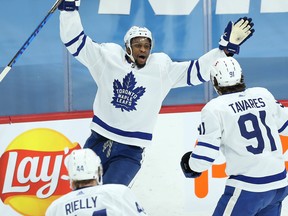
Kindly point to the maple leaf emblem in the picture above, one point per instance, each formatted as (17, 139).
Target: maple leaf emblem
(126, 94)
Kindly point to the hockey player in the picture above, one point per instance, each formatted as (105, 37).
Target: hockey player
(132, 85)
(245, 125)
(89, 197)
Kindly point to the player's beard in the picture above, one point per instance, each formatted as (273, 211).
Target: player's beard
(143, 61)
(140, 65)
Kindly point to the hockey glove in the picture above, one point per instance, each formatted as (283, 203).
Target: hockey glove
(236, 34)
(69, 5)
(186, 168)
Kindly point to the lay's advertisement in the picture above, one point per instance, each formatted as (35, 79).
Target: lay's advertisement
(32, 167)
(33, 174)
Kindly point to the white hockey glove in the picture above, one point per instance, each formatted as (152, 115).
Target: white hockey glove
(186, 168)
(69, 5)
(236, 34)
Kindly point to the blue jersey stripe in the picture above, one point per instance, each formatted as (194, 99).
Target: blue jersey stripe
(74, 40)
(101, 212)
(198, 72)
(202, 158)
(208, 145)
(81, 46)
(261, 180)
(283, 127)
(134, 134)
(189, 73)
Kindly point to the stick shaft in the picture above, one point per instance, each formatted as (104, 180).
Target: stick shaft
(4, 72)
(29, 40)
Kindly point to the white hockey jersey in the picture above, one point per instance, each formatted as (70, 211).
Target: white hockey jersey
(245, 127)
(104, 200)
(129, 99)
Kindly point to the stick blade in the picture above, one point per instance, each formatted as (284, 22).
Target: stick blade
(4, 72)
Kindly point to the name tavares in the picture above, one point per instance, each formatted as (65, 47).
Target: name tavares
(243, 105)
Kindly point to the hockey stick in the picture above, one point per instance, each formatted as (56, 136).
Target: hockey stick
(29, 40)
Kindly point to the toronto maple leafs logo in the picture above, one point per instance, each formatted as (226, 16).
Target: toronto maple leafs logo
(126, 94)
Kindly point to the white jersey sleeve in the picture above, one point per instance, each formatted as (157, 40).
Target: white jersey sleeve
(83, 48)
(245, 127)
(104, 200)
(127, 203)
(193, 72)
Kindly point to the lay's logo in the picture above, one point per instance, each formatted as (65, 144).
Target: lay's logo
(32, 170)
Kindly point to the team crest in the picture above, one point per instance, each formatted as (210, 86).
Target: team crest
(127, 94)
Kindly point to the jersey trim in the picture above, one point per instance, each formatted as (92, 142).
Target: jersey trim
(202, 158)
(189, 73)
(260, 180)
(101, 212)
(208, 145)
(80, 47)
(74, 39)
(198, 72)
(283, 127)
(134, 134)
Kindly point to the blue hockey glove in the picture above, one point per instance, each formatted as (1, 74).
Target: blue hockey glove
(69, 5)
(186, 168)
(236, 34)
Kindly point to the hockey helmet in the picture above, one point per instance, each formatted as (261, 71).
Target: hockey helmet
(226, 72)
(84, 164)
(136, 31)
(133, 32)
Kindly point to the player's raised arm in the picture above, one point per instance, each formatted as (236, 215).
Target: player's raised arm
(235, 34)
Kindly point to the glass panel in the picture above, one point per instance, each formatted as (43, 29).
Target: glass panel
(47, 79)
